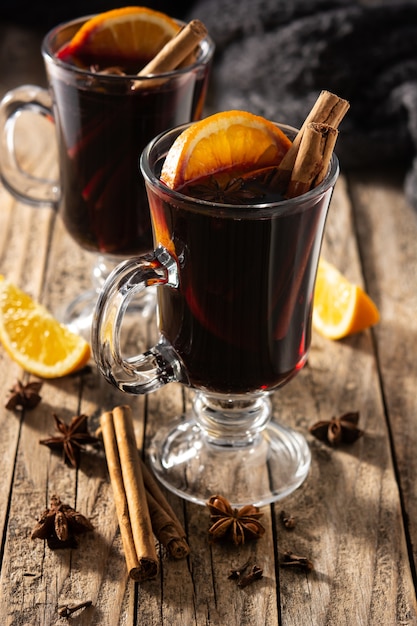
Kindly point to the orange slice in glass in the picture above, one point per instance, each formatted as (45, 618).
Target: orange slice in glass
(231, 140)
(120, 36)
(35, 339)
(340, 307)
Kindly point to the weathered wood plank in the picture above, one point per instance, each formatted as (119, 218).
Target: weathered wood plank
(349, 511)
(387, 232)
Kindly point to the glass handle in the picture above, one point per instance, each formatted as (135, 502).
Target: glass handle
(24, 186)
(160, 364)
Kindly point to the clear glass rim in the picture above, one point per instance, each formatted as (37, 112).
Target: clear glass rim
(206, 46)
(232, 210)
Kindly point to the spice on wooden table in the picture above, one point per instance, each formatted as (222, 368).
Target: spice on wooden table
(60, 524)
(24, 396)
(243, 580)
(165, 524)
(72, 438)
(141, 508)
(256, 573)
(129, 494)
(297, 562)
(287, 520)
(239, 525)
(67, 610)
(338, 430)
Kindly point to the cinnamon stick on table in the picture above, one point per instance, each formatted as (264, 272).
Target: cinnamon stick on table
(166, 526)
(129, 496)
(142, 509)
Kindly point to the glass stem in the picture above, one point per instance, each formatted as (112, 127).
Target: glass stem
(232, 421)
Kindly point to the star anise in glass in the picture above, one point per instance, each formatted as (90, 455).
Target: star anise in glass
(59, 524)
(229, 191)
(239, 525)
(343, 429)
(72, 438)
(24, 396)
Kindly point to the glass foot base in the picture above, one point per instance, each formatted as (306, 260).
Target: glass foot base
(263, 471)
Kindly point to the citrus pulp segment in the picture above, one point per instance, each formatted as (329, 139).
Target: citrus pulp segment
(229, 140)
(340, 307)
(123, 34)
(35, 339)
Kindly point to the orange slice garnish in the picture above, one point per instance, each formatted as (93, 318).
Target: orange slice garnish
(120, 36)
(340, 307)
(230, 140)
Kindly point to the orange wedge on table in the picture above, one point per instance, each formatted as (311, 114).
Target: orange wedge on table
(235, 140)
(121, 35)
(35, 339)
(340, 307)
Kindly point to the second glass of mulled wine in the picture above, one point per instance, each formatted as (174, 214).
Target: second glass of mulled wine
(235, 293)
(104, 117)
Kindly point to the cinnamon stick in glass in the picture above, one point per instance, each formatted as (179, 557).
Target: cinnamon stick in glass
(312, 159)
(328, 109)
(310, 168)
(176, 51)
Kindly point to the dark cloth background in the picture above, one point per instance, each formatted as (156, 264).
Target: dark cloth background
(273, 57)
(46, 14)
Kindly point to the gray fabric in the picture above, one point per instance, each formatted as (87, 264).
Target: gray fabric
(274, 57)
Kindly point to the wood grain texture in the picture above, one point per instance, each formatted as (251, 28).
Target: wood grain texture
(355, 514)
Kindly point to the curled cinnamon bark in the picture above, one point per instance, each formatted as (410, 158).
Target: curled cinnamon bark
(329, 109)
(177, 51)
(142, 509)
(313, 158)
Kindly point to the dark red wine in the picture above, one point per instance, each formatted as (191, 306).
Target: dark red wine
(102, 129)
(241, 317)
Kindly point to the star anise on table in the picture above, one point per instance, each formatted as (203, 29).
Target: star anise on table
(343, 429)
(239, 525)
(71, 438)
(60, 524)
(24, 396)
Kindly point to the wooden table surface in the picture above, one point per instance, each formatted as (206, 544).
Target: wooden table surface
(357, 511)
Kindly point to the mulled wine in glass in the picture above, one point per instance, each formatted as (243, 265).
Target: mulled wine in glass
(103, 120)
(235, 293)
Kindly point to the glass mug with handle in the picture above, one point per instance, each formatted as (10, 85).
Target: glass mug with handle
(103, 120)
(235, 294)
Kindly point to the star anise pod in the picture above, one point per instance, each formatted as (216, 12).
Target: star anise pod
(343, 429)
(59, 524)
(239, 525)
(24, 396)
(72, 438)
(232, 191)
